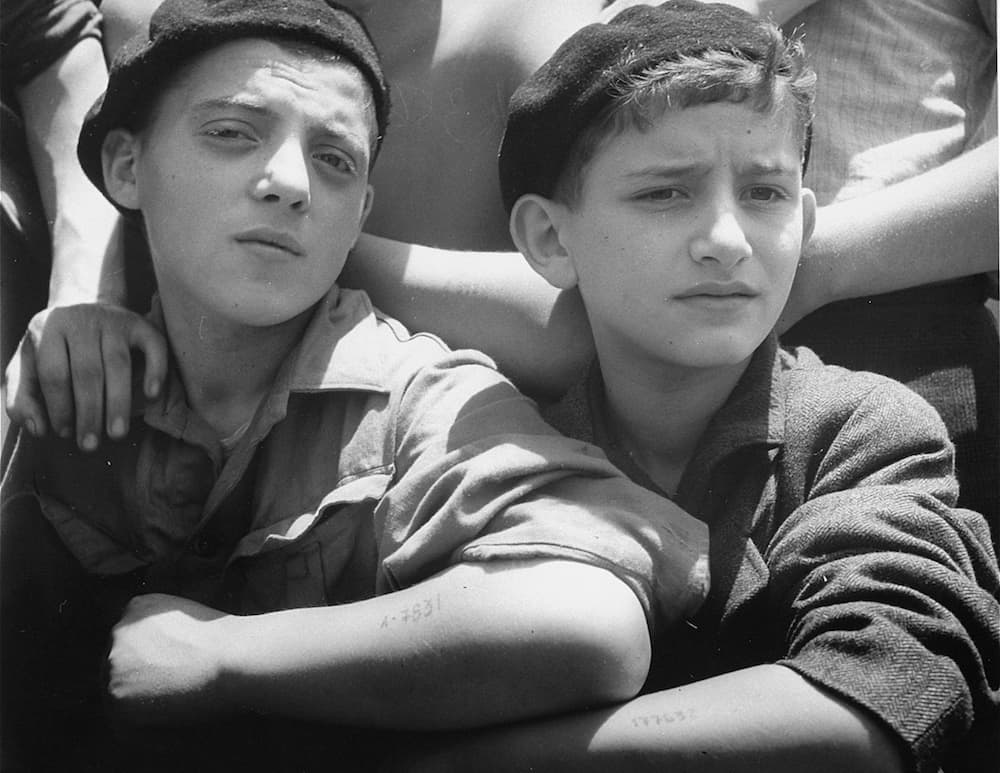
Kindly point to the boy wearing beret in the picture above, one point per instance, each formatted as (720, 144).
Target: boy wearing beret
(655, 163)
(322, 518)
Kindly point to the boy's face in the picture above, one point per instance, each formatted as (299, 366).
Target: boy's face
(685, 239)
(252, 178)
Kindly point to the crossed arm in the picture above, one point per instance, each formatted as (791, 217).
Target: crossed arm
(475, 644)
(725, 724)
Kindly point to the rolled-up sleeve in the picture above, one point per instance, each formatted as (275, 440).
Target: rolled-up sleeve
(481, 477)
(890, 595)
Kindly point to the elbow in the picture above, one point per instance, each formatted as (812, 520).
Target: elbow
(619, 660)
(606, 649)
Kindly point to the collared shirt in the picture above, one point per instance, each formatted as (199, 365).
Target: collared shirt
(377, 459)
(834, 547)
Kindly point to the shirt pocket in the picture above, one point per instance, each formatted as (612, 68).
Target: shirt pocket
(324, 556)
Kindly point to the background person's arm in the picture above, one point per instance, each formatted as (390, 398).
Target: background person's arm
(86, 259)
(491, 301)
(475, 644)
(72, 369)
(937, 226)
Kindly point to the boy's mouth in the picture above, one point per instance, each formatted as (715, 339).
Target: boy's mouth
(270, 237)
(718, 290)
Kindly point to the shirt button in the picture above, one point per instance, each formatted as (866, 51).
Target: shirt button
(205, 546)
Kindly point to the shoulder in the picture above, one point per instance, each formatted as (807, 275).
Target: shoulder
(845, 429)
(820, 395)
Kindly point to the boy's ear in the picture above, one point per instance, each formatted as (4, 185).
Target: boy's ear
(118, 158)
(808, 215)
(535, 223)
(369, 200)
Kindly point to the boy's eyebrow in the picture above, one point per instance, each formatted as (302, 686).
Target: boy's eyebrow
(261, 109)
(767, 168)
(217, 103)
(698, 169)
(668, 169)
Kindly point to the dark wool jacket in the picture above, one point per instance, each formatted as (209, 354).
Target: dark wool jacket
(836, 550)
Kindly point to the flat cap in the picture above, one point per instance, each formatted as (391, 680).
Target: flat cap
(550, 110)
(179, 30)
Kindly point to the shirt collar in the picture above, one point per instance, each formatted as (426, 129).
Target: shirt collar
(752, 416)
(338, 351)
(755, 410)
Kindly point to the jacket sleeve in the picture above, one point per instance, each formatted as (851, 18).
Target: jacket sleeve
(479, 476)
(890, 594)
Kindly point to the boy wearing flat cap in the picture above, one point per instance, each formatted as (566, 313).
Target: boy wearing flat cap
(852, 624)
(323, 518)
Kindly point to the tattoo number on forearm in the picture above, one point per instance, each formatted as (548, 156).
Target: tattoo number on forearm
(414, 613)
(653, 720)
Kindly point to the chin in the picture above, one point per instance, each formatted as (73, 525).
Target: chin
(717, 352)
(275, 306)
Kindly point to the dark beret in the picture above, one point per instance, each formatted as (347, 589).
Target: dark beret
(179, 30)
(564, 96)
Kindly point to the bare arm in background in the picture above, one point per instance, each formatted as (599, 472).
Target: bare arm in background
(937, 226)
(75, 354)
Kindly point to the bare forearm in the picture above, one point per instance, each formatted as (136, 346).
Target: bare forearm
(489, 301)
(83, 223)
(937, 226)
(472, 646)
(762, 718)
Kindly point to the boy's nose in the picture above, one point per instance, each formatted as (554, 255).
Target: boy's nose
(285, 178)
(721, 239)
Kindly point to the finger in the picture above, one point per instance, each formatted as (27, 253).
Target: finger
(23, 392)
(87, 369)
(117, 383)
(152, 344)
(56, 382)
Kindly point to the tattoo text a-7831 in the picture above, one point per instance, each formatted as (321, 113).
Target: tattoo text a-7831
(414, 613)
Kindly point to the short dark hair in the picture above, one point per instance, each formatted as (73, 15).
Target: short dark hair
(779, 80)
(575, 86)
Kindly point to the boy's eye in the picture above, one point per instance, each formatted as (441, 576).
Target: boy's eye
(229, 132)
(660, 195)
(335, 160)
(765, 193)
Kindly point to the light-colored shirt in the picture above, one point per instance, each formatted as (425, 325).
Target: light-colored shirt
(378, 459)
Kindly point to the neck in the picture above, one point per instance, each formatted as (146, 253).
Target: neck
(227, 368)
(659, 413)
